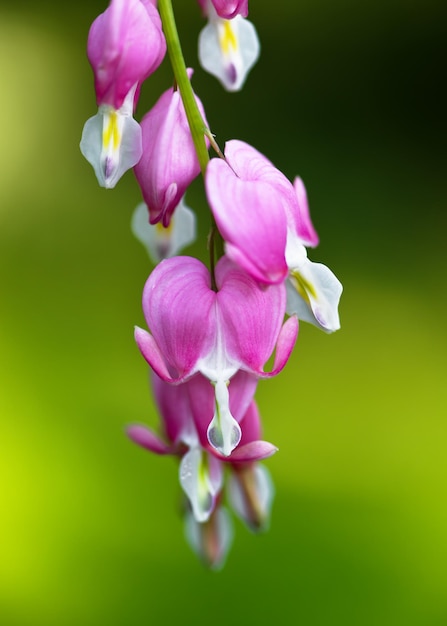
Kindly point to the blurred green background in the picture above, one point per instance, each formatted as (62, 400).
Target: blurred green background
(348, 96)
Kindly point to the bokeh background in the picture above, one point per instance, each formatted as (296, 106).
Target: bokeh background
(350, 97)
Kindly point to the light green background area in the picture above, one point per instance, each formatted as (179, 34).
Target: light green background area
(349, 97)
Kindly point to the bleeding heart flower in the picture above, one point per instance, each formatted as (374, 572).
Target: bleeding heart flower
(217, 333)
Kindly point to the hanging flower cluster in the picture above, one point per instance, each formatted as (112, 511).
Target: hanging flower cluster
(211, 330)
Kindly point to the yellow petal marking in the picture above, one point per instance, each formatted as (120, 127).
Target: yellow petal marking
(111, 132)
(228, 37)
(303, 286)
(164, 230)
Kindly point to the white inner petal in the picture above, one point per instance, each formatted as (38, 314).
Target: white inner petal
(196, 483)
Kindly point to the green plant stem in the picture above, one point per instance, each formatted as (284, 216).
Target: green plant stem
(195, 119)
(197, 125)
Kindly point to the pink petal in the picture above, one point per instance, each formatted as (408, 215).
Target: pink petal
(251, 219)
(253, 451)
(125, 44)
(251, 316)
(251, 425)
(284, 346)
(178, 304)
(169, 163)
(145, 438)
(201, 393)
(230, 8)
(174, 408)
(250, 164)
(303, 223)
(151, 352)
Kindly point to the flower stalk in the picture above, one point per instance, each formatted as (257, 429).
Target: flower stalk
(211, 329)
(196, 123)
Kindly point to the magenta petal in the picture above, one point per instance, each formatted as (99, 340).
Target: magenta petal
(251, 425)
(125, 44)
(151, 352)
(253, 451)
(242, 389)
(251, 219)
(303, 223)
(145, 438)
(178, 304)
(230, 8)
(174, 408)
(284, 346)
(202, 402)
(251, 165)
(202, 398)
(226, 9)
(169, 162)
(251, 316)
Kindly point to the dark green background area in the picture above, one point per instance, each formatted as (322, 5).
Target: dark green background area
(350, 97)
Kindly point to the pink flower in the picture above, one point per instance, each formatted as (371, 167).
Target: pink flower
(250, 492)
(228, 48)
(217, 333)
(183, 409)
(266, 225)
(169, 162)
(200, 473)
(125, 45)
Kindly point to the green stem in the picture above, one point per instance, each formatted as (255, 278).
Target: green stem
(197, 125)
(195, 119)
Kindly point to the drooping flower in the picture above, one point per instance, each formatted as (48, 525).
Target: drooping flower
(250, 488)
(184, 412)
(210, 540)
(163, 242)
(265, 222)
(125, 45)
(169, 163)
(250, 492)
(228, 48)
(313, 291)
(217, 333)
(200, 472)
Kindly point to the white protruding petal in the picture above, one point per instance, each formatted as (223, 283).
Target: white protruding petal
(295, 252)
(313, 294)
(264, 493)
(228, 49)
(224, 433)
(112, 142)
(223, 533)
(160, 242)
(198, 483)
